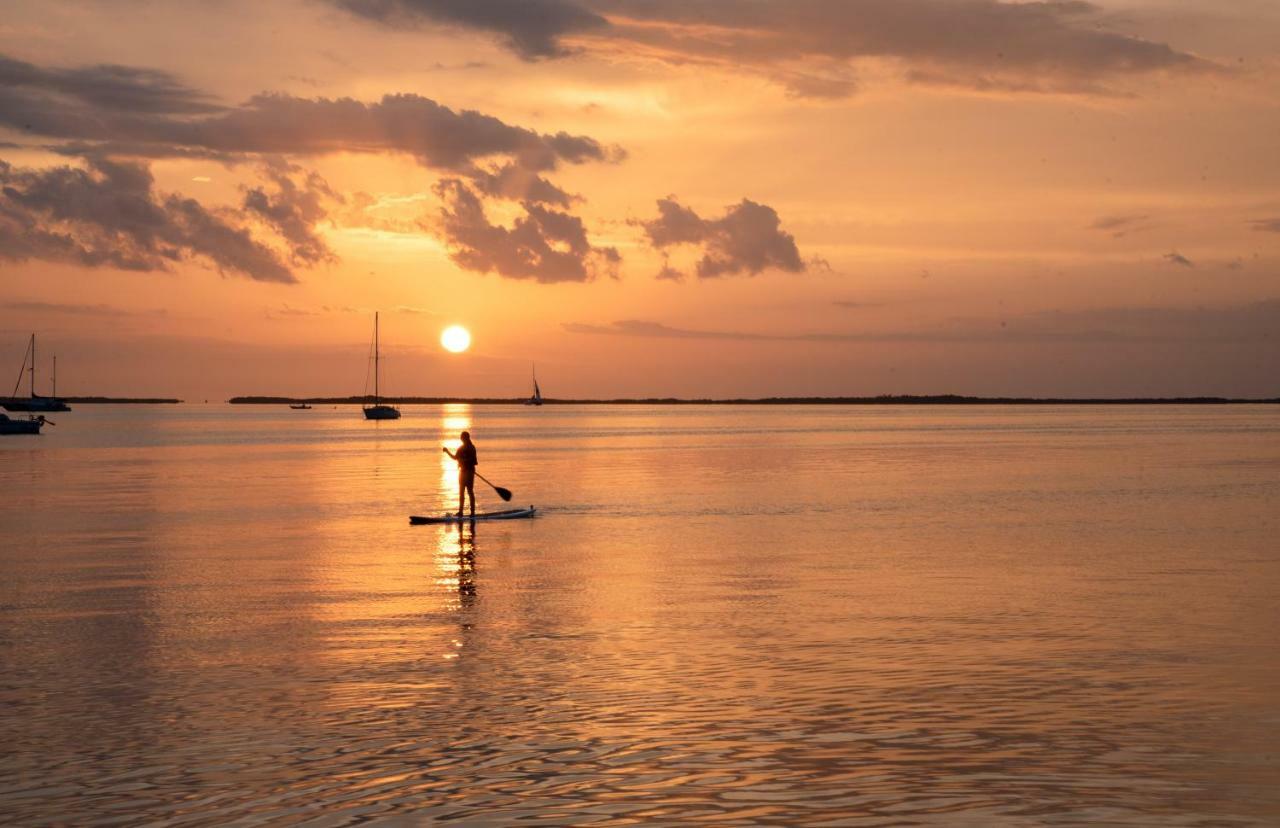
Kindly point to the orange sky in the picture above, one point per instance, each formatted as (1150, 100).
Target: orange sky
(862, 197)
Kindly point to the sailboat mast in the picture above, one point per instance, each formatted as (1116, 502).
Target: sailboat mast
(375, 357)
(55, 375)
(33, 366)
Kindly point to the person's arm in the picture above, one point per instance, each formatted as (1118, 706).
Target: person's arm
(452, 456)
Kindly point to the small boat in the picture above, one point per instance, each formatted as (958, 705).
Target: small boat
(508, 514)
(35, 402)
(300, 406)
(536, 399)
(30, 425)
(378, 411)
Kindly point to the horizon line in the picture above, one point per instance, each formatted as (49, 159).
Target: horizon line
(879, 399)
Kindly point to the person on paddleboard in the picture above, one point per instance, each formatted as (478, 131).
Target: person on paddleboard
(466, 459)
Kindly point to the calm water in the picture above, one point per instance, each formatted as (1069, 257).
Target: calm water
(811, 615)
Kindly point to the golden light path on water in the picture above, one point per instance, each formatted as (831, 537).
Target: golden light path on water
(938, 616)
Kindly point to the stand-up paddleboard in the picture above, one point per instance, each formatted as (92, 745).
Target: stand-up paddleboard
(508, 514)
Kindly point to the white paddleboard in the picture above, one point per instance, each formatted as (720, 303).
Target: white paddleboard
(508, 514)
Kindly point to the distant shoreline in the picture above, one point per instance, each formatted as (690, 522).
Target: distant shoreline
(107, 400)
(945, 399)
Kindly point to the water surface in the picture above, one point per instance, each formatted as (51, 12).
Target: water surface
(778, 615)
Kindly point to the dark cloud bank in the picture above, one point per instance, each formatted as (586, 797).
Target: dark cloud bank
(812, 46)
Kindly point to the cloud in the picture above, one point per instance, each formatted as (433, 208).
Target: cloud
(530, 28)
(1121, 226)
(813, 47)
(103, 86)
(148, 114)
(1267, 225)
(112, 112)
(293, 209)
(543, 245)
(109, 215)
(1254, 322)
(1176, 258)
(285, 310)
(669, 273)
(513, 182)
(76, 309)
(748, 239)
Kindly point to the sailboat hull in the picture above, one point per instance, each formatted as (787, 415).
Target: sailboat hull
(381, 412)
(39, 404)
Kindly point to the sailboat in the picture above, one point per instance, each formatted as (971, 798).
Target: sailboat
(35, 402)
(378, 411)
(536, 399)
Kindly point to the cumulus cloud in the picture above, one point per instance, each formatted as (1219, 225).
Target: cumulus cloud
(812, 47)
(543, 245)
(100, 112)
(110, 215)
(297, 202)
(747, 239)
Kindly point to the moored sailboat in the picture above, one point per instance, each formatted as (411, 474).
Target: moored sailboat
(378, 411)
(35, 402)
(536, 399)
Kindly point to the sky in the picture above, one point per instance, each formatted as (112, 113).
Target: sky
(695, 198)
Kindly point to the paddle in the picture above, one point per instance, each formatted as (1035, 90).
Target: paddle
(505, 494)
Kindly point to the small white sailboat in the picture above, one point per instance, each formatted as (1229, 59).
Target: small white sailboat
(35, 402)
(378, 411)
(536, 399)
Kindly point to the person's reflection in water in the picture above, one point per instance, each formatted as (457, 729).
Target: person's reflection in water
(466, 566)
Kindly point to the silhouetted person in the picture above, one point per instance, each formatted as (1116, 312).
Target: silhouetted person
(466, 458)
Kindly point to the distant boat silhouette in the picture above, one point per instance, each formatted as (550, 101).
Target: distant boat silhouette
(30, 425)
(536, 399)
(300, 406)
(377, 411)
(35, 402)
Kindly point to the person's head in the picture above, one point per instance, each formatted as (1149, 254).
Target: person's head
(466, 438)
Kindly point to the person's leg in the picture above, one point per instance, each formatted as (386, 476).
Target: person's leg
(471, 490)
(462, 493)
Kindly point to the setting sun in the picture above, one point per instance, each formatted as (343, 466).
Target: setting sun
(455, 339)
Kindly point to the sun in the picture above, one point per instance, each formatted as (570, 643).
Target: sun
(455, 339)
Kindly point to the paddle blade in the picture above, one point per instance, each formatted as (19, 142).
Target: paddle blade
(505, 494)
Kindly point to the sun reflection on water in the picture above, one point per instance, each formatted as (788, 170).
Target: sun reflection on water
(455, 562)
